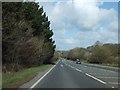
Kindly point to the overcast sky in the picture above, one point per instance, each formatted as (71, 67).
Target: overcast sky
(79, 23)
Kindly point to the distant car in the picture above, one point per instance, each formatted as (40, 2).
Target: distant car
(78, 61)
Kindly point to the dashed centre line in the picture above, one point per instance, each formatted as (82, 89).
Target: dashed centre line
(78, 70)
(86, 74)
(95, 78)
(61, 65)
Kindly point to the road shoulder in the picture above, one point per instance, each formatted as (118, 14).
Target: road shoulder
(31, 82)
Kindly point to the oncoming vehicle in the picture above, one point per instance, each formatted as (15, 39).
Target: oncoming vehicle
(78, 61)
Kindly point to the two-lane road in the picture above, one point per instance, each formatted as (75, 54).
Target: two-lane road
(67, 74)
(105, 75)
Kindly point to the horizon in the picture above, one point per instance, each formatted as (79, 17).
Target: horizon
(88, 46)
(97, 21)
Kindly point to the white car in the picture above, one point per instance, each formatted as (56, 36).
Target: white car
(78, 61)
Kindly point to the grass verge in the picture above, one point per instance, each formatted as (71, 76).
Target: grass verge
(15, 79)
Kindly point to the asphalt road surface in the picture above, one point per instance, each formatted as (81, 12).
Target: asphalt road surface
(68, 74)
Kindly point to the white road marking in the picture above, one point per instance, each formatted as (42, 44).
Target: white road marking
(95, 78)
(78, 70)
(61, 65)
(58, 62)
(74, 68)
(42, 77)
(113, 87)
(70, 66)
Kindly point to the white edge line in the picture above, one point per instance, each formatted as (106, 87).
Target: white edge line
(95, 78)
(42, 77)
(88, 75)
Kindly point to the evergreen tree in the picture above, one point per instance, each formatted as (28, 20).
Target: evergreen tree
(26, 35)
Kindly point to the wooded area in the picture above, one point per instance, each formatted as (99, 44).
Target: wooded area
(26, 36)
(98, 53)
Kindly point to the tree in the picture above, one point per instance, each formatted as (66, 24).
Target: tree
(99, 54)
(27, 35)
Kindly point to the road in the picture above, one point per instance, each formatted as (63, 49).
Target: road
(67, 74)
